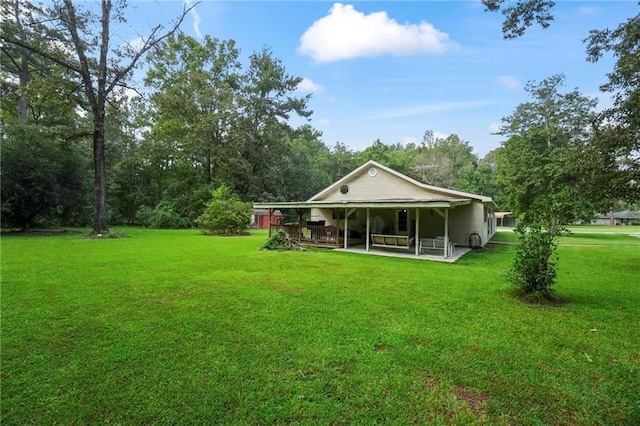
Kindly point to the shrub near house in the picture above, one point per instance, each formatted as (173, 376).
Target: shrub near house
(225, 214)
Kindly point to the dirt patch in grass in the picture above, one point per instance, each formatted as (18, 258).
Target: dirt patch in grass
(105, 236)
(473, 399)
(380, 348)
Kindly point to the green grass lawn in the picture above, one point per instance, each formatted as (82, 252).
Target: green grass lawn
(591, 235)
(171, 327)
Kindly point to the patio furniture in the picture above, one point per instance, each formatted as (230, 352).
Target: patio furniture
(391, 241)
(437, 243)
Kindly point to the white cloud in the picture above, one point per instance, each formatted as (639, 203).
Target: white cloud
(307, 85)
(494, 127)
(588, 10)
(324, 122)
(346, 33)
(509, 82)
(196, 18)
(409, 139)
(136, 44)
(440, 135)
(131, 93)
(425, 109)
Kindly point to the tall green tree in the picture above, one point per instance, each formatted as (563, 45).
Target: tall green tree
(44, 168)
(36, 88)
(22, 27)
(196, 86)
(129, 184)
(618, 138)
(545, 138)
(44, 179)
(304, 165)
(396, 156)
(267, 102)
(99, 65)
(444, 162)
(341, 161)
(614, 155)
(521, 14)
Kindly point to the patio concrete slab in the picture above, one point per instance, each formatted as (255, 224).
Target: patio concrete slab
(435, 256)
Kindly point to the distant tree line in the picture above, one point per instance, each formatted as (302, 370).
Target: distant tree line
(209, 117)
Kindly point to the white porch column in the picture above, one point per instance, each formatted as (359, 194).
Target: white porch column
(337, 213)
(368, 227)
(416, 238)
(346, 221)
(446, 233)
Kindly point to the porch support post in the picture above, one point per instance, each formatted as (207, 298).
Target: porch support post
(446, 233)
(416, 238)
(269, 219)
(346, 221)
(300, 214)
(337, 213)
(368, 227)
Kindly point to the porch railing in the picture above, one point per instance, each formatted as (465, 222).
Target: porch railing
(310, 234)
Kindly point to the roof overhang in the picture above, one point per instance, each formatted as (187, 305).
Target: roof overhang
(376, 204)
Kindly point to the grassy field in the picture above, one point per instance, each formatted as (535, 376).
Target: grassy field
(171, 327)
(587, 234)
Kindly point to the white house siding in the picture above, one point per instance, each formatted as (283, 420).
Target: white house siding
(465, 220)
(321, 214)
(382, 186)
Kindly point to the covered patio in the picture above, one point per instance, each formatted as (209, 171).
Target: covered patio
(406, 238)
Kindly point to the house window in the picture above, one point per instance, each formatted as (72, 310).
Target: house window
(402, 220)
(344, 189)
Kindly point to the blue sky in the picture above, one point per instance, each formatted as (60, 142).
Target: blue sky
(392, 70)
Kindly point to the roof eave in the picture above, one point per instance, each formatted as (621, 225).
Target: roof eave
(391, 204)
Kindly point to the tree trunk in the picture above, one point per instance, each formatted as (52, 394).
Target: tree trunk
(613, 221)
(25, 56)
(24, 80)
(100, 183)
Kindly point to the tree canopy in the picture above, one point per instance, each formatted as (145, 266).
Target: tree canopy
(537, 162)
(614, 154)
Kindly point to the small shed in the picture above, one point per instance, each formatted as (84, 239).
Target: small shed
(505, 219)
(260, 219)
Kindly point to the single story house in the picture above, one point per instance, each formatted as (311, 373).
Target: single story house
(377, 208)
(505, 219)
(624, 217)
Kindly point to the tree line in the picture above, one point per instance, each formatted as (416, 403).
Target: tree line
(78, 148)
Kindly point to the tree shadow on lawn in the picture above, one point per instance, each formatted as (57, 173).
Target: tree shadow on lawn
(38, 232)
(553, 300)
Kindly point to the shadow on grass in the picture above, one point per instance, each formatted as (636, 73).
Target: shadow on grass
(38, 232)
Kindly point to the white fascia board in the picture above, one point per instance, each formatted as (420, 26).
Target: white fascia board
(391, 204)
